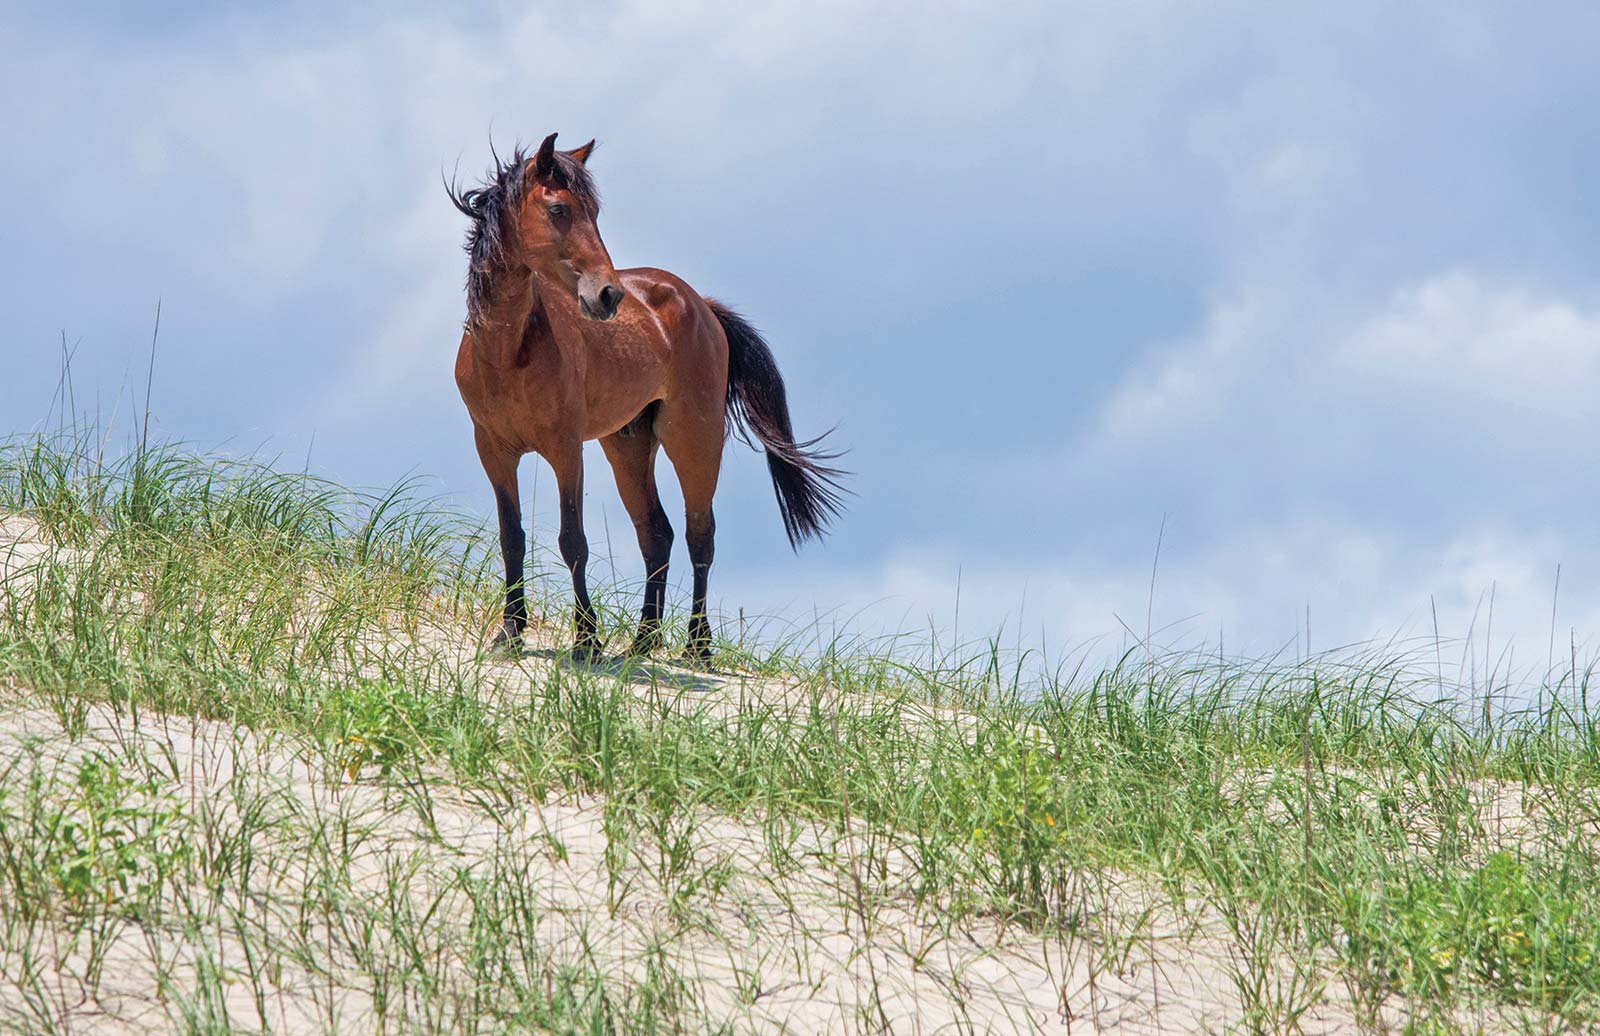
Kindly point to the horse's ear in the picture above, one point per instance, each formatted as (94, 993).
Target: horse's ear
(544, 163)
(582, 153)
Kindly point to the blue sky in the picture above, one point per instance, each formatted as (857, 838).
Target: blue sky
(1316, 287)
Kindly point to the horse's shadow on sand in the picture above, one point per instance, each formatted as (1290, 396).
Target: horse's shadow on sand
(639, 672)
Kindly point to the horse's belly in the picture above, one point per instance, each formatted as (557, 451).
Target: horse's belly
(618, 391)
(612, 414)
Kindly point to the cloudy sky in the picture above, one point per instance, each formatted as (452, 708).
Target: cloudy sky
(1309, 292)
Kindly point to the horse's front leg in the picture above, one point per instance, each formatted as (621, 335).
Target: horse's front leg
(568, 465)
(500, 465)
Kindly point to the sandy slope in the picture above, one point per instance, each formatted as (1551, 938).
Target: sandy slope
(764, 952)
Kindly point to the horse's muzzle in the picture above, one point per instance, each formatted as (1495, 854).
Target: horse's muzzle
(605, 306)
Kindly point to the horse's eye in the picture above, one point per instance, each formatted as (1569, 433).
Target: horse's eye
(557, 210)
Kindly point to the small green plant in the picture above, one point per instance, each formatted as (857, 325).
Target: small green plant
(1018, 816)
(376, 725)
(100, 843)
(110, 843)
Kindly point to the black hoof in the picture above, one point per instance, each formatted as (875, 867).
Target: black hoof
(645, 642)
(507, 640)
(699, 649)
(586, 651)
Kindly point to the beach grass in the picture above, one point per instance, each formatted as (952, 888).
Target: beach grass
(262, 774)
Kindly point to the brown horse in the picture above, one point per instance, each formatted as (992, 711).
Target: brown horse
(560, 347)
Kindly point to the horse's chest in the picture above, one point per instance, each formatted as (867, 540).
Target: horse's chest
(520, 406)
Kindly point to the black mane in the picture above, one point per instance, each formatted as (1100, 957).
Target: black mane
(492, 207)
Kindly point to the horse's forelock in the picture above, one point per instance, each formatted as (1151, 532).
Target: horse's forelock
(573, 175)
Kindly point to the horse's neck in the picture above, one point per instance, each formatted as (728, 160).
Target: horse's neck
(519, 315)
(503, 324)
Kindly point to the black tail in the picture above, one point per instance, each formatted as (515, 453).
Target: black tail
(810, 493)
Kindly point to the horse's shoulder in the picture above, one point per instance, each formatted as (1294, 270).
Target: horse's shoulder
(657, 289)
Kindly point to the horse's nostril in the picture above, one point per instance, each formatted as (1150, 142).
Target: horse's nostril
(610, 298)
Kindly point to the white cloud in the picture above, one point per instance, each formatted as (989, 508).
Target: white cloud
(1457, 370)
(1474, 348)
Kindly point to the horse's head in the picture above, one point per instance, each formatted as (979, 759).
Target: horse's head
(536, 216)
(559, 237)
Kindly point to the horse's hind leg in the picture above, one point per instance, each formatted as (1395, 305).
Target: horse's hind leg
(568, 465)
(501, 467)
(692, 437)
(633, 462)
